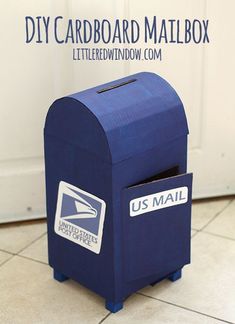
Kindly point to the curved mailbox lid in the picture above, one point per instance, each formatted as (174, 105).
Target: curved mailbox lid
(136, 114)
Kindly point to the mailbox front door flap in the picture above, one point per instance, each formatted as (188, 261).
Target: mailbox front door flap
(156, 226)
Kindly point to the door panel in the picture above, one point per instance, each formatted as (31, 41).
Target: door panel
(156, 226)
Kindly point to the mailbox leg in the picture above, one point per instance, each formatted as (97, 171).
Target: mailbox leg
(59, 276)
(175, 275)
(113, 307)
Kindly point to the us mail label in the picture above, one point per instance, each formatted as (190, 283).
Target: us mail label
(79, 217)
(159, 200)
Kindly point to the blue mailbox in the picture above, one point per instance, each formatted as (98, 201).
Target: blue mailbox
(118, 195)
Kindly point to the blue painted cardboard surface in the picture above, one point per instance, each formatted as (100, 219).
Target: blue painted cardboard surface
(134, 117)
(144, 233)
(104, 143)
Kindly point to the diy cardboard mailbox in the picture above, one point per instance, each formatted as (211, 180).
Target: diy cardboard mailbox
(118, 195)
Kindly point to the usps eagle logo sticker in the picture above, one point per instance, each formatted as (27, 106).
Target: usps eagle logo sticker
(79, 217)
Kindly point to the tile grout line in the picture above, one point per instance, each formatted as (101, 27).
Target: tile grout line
(212, 234)
(30, 259)
(202, 230)
(192, 236)
(218, 235)
(12, 253)
(194, 229)
(28, 245)
(217, 214)
(103, 319)
(17, 253)
(7, 260)
(22, 256)
(185, 308)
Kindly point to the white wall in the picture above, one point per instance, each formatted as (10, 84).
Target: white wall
(32, 76)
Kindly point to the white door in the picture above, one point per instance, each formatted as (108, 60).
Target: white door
(214, 158)
(32, 76)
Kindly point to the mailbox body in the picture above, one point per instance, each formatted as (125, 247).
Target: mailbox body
(120, 144)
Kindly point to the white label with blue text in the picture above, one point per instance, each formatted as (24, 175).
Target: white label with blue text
(159, 200)
(79, 217)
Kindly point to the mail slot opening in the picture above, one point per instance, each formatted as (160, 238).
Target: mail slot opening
(162, 175)
(115, 86)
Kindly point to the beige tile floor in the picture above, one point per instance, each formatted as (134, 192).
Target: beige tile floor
(205, 294)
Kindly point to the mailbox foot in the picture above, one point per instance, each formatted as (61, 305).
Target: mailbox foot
(175, 275)
(113, 307)
(59, 276)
